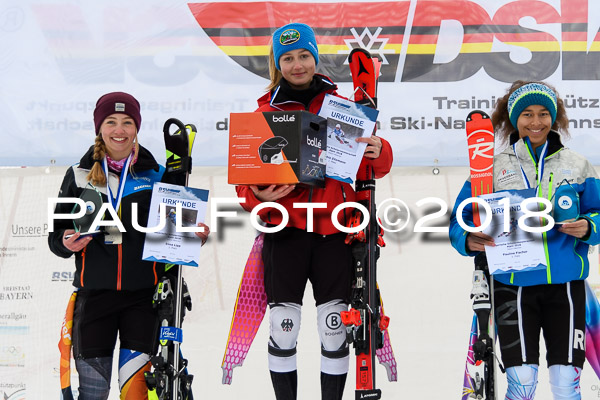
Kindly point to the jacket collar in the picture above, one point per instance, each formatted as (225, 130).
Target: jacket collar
(525, 152)
(145, 160)
(279, 95)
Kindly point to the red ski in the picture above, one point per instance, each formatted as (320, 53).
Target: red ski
(479, 378)
(480, 139)
(366, 323)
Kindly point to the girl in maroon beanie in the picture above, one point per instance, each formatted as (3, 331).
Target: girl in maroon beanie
(115, 286)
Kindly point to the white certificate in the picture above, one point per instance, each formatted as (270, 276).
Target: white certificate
(516, 249)
(346, 121)
(175, 242)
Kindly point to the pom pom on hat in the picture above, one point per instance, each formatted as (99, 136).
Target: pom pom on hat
(294, 36)
(117, 102)
(528, 95)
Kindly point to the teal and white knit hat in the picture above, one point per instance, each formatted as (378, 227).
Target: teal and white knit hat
(531, 94)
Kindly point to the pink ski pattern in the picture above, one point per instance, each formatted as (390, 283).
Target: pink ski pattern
(592, 331)
(248, 313)
(385, 356)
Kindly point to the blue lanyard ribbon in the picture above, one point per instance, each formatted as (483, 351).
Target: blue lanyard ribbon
(540, 166)
(116, 201)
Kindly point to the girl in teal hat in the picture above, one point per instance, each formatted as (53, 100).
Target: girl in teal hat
(532, 120)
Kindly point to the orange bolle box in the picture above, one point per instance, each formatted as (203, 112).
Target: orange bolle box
(277, 147)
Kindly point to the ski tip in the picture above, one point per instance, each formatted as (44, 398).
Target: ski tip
(359, 50)
(477, 115)
(173, 121)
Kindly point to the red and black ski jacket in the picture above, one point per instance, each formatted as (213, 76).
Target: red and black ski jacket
(112, 266)
(334, 192)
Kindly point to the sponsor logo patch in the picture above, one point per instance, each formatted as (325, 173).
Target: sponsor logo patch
(287, 325)
(289, 36)
(507, 175)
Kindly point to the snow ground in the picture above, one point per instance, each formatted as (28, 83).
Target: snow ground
(424, 282)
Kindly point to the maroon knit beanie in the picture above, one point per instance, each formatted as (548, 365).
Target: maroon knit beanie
(117, 102)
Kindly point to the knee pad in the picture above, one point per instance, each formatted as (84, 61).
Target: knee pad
(564, 382)
(132, 365)
(522, 382)
(284, 326)
(335, 354)
(94, 377)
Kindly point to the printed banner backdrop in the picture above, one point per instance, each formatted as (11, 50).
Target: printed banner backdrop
(201, 61)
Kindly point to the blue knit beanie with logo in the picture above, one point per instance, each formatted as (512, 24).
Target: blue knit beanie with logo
(528, 95)
(294, 36)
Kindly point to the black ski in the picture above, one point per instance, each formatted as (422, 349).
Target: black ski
(169, 379)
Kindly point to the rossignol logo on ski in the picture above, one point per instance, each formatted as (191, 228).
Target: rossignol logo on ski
(284, 118)
(482, 175)
(482, 148)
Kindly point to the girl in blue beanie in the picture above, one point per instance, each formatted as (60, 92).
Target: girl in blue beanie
(294, 255)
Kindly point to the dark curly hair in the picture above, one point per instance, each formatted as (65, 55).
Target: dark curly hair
(501, 121)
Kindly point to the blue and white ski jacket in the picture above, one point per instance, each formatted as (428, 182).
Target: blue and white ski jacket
(566, 256)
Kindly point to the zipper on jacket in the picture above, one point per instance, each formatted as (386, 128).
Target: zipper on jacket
(344, 199)
(580, 258)
(82, 265)
(326, 91)
(120, 256)
(545, 234)
(550, 187)
(592, 224)
(534, 158)
(119, 265)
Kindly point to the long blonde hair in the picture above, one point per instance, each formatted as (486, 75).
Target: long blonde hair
(96, 175)
(274, 73)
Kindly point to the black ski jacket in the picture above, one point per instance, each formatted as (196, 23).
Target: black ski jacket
(112, 266)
